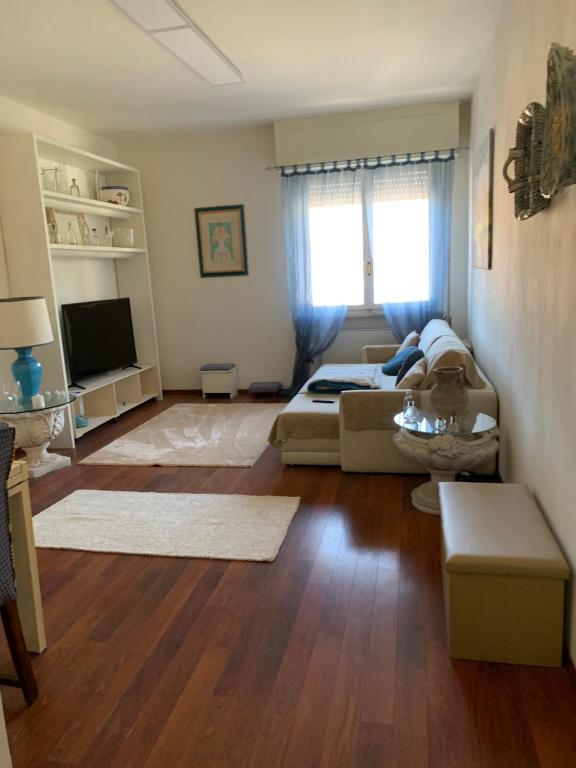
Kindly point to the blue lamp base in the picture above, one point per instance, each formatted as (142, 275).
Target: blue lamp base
(28, 371)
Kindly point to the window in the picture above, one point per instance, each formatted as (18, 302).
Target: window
(369, 235)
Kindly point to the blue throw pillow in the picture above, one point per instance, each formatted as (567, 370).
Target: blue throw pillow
(393, 365)
(408, 363)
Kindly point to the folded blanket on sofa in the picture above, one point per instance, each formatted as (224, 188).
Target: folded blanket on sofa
(333, 379)
(334, 386)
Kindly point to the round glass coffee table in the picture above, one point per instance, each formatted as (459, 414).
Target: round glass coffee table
(445, 448)
(35, 427)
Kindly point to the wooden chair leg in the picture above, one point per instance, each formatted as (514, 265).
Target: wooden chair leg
(18, 650)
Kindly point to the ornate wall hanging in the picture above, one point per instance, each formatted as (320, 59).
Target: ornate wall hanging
(545, 153)
(527, 158)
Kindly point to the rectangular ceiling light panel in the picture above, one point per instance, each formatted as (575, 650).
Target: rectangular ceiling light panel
(173, 29)
(152, 14)
(194, 50)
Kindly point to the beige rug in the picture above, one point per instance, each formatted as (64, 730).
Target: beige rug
(195, 436)
(168, 524)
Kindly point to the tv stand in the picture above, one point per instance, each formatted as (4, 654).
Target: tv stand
(109, 395)
(75, 385)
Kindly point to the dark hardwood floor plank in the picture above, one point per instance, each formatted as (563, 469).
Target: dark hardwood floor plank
(332, 656)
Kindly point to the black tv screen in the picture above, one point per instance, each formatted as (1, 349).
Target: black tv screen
(99, 336)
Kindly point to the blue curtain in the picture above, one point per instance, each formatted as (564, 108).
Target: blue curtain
(413, 316)
(316, 327)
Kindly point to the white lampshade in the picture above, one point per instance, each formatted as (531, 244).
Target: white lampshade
(24, 322)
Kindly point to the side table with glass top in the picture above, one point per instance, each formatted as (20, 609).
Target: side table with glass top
(445, 449)
(35, 427)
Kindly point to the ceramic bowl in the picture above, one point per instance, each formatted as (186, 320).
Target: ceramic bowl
(116, 194)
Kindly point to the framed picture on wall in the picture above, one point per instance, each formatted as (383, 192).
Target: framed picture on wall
(483, 199)
(221, 240)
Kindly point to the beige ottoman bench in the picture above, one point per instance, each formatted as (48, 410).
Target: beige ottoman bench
(504, 575)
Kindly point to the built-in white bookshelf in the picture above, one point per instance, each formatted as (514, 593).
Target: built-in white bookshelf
(67, 273)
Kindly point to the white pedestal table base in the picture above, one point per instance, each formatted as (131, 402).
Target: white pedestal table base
(443, 456)
(34, 431)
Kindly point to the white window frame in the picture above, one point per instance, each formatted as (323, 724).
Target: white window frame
(368, 308)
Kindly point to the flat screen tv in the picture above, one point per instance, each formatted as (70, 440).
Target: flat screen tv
(98, 336)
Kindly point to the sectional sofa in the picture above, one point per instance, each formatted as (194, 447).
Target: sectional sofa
(355, 430)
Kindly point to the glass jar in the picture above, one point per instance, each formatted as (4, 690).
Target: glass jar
(71, 238)
(54, 234)
(123, 237)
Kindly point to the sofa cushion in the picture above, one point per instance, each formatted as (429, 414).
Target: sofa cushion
(449, 350)
(393, 366)
(434, 330)
(411, 340)
(414, 378)
(412, 358)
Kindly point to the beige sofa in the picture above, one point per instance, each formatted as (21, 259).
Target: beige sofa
(355, 431)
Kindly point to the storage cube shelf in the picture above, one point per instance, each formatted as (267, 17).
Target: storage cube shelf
(66, 273)
(107, 396)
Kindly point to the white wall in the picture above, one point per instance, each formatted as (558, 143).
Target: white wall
(522, 312)
(368, 133)
(16, 117)
(242, 319)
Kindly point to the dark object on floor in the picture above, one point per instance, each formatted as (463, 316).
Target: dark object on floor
(218, 367)
(260, 388)
(8, 609)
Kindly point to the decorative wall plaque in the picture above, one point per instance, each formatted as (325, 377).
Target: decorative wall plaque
(559, 142)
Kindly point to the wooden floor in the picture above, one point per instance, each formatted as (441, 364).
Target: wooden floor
(333, 655)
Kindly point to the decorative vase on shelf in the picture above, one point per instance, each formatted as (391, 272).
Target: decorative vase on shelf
(449, 395)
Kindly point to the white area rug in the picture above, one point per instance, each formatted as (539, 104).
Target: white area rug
(168, 524)
(195, 436)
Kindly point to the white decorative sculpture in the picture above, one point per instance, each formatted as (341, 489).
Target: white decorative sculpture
(34, 431)
(443, 456)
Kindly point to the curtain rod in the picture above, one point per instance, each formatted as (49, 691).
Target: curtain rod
(412, 158)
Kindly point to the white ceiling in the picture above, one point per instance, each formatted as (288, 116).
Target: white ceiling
(85, 62)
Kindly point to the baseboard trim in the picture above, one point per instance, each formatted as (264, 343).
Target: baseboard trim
(182, 391)
(198, 392)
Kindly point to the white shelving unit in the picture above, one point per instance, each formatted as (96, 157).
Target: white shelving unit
(71, 273)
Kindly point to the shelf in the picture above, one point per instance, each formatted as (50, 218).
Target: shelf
(94, 252)
(103, 379)
(60, 153)
(93, 422)
(123, 407)
(62, 201)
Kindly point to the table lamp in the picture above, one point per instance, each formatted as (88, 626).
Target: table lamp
(24, 323)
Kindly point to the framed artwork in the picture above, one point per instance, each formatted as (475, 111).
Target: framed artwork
(483, 198)
(221, 240)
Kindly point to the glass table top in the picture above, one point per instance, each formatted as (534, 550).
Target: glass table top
(466, 424)
(9, 404)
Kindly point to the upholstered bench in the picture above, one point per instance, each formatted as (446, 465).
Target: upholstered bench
(504, 575)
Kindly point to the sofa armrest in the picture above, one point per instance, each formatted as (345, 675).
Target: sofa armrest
(380, 353)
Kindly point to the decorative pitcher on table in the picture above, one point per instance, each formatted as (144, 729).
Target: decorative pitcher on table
(449, 395)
